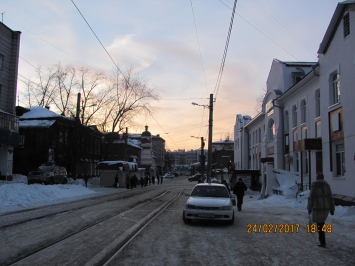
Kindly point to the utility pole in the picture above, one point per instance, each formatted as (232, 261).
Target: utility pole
(210, 126)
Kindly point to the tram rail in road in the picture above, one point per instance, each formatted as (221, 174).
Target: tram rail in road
(111, 250)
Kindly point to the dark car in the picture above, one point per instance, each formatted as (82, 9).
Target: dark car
(48, 175)
(196, 177)
(176, 174)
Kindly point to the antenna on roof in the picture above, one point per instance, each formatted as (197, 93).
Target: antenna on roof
(2, 17)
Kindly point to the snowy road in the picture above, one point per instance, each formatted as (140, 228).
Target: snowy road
(80, 232)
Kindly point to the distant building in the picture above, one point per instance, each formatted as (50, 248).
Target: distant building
(226, 144)
(9, 137)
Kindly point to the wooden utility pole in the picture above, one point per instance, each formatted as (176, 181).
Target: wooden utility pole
(210, 126)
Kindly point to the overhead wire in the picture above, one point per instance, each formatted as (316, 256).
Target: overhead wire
(282, 26)
(262, 33)
(119, 70)
(199, 47)
(220, 74)
(163, 130)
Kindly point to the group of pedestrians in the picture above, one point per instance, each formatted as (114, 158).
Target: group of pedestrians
(147, 180)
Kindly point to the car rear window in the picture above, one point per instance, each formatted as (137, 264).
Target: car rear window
(210, 191)
(46, 168)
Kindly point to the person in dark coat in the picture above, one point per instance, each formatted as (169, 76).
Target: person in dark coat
(142, 181)
(158, 178)
(116, 180)
(238, 190)
(320, 203)
(161, 180)
(86, 178)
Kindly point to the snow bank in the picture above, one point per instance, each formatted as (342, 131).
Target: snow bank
(287, 181)
(17, 196)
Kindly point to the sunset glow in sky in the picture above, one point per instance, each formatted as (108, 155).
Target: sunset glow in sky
(158, 38)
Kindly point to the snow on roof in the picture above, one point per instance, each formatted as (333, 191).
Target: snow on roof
(39, 112)
(36, 123)
(117, 165)
(130, 142)
(223, 142)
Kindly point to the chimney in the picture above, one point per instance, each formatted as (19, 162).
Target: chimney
(146, 128)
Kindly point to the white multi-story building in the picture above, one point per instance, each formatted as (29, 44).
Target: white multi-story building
(306, 121)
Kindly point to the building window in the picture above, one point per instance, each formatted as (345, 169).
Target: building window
(305, 162)
(294, 116)
(340, 159)
(287, 143)
(318, 129)
(295, 138)
(1, 61)
(21, 141)
(304, 132)
(317, 103)
(286, 122)
(303, 112)
(335, 90)
(271, 129)
(346, 21)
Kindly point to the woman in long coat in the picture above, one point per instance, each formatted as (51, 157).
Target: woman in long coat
(320, 203)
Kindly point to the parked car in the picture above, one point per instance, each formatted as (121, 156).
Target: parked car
(168, 175)
(48, 175)
(209, 202)
(196, 177)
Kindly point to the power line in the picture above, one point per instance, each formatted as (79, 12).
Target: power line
(98, 40)
(163, 130)
(262, 33)
(50, 44)
(219, 78)
(199, 47)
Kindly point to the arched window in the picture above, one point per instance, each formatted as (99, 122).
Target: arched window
(286, 122)
(294, 116)
(271, 129)
(317, 96)
(303, 112)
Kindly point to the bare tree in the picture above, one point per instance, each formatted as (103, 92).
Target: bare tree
(41, 91)
(131, 97)
(66, 84)
(259, 101)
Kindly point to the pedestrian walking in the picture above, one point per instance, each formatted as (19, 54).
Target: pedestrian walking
(320, 203)
(158, 178)
(146, 181)
(142, 181)
(238, 190)
(86, 178)
(161, 179)
(116, 181)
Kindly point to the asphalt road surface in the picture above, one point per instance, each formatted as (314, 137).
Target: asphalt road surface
(144, 226)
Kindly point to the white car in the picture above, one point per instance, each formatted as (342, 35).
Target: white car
(169, 176)
(209, 201)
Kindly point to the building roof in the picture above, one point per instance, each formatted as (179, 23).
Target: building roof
(334, 22)
(226, 141)
(36, 123)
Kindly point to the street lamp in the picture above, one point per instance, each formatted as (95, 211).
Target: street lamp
(210, 126)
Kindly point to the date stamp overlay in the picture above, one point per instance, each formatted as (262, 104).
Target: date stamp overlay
(284, 228)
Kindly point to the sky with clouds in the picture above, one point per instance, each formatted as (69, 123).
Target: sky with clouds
(158, 38)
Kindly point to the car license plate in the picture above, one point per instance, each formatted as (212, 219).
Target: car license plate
(207, 215)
